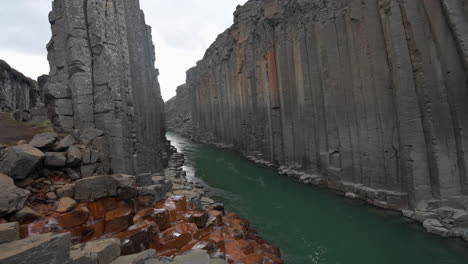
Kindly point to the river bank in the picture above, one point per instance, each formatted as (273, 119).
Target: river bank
(313, 224)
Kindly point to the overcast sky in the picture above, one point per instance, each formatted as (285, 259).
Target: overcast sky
(182, 31)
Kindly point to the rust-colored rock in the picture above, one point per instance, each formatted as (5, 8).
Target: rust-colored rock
(118, 220)
(101, 207)
(74, 218)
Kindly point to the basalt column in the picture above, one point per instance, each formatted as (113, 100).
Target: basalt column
(372, 93)
(102, 75)
(16, 90)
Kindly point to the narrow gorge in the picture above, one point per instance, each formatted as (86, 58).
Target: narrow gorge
(368, 97)
(311, 131)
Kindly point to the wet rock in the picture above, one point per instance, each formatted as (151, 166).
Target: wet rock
(66, 204)
(159, 216)
(12, 198)
(20, 161)
(44, 140)
(64, 143)
(26, 214)
(198, 218)
(196, 256)
(118, 220)
(465, 236)
(55, 159)
(9, 232)
(74, 156)
(67, 190)
(435, 227)
(46, 248)
(136, 239)
(93, 188)
(102, 251)
(139, 258)
(73, 218)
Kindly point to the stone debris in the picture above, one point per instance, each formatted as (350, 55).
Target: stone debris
(93, 188)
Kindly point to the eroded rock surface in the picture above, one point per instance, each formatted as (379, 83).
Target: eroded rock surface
(368, 95)
(102, 76)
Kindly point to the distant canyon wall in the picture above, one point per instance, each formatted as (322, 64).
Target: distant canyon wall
(16, 90)
(102, 75)
(367, 92)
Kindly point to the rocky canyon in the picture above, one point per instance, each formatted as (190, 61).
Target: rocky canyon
(367, 97)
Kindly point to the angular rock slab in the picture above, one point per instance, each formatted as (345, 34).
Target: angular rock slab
(20, 161)
(94, 188)
(47, 248)
(102, 251)
(12, 198)
(44, 140)
(9, 232)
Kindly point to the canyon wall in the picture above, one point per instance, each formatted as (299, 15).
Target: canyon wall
(102, 75)
(178, 111)
(16, 90)
(372, 93)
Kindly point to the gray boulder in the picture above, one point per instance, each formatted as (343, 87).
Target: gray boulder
(55, 159)
(196, 256)
(44, 140)
(12, 198)
(102, 251)
(94, 188)
(9, 232)
(46, 248)
(20, 161)
(139, 258)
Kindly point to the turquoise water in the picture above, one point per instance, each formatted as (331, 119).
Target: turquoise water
(312, 225)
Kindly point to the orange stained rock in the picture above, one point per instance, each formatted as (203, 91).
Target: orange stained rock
(99, 228)
(101, 207)
(73, 218)
(159, 216)
(233, 251)
(118, 220)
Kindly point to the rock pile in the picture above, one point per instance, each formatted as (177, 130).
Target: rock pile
(65, 217)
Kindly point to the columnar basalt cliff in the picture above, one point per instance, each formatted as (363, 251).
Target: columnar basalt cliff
(102, 75)
(178, 111)
(16, 90)
(370, 95)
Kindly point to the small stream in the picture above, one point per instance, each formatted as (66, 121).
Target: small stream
(309, 224)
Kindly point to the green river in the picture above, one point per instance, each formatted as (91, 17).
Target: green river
(309, 224)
